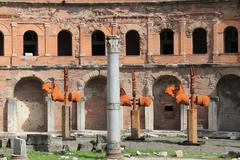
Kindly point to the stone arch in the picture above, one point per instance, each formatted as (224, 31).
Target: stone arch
(228, 91)
(95, 92)
(31, 108)
(166, 111)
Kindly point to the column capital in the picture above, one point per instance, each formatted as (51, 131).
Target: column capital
(150, 23)
(14, 24)
(215, 21)
(182, 22)
(113, 43)
(46, 25)
(81, 25)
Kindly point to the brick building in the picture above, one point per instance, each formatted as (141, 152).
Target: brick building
(160, 40)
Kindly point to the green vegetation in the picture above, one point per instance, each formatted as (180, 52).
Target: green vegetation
(83, 155)
(87, 155)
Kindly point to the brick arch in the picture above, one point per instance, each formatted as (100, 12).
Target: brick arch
(33, 27)
(202, 25)
(165, 107)
(127, 27)
(31, 110)
(196, 25)
(5, 30)
(124, 29)
(105, 29)
(55, 29)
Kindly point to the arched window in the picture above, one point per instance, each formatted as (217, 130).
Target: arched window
(230, 40)
(64, 43)
(1, 44)
(166, 40)
(199, 37)
(98, 43)
(30, 43)
(132, 43)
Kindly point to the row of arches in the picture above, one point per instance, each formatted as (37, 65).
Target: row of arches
(132, 42)
(166, 112)
(199, 41)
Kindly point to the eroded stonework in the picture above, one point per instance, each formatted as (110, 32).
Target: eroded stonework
(117, 17)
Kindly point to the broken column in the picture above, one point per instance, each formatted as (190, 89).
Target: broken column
(212, 114)
(50, 114)
(11, 111)
(113, 99)
(19, 149)
(81, 114)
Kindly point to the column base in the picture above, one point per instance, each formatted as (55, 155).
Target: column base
(114, 155)
(18, 157)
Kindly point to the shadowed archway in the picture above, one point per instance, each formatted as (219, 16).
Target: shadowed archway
(96, 104)
(166, 111)
(31, 115)
(228, 90)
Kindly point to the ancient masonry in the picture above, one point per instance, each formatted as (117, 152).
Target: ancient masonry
(160, 40)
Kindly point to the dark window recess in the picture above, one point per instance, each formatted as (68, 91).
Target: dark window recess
(98, 43)
(132, 43)
(230, 40)
(199, 41)
(30, 43)
(168, 108)
(166, 40)
(1, 44)
(64, 43)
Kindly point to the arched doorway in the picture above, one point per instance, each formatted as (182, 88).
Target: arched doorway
(31, 115)
(228, 90)
(166, 111)
(96, 105)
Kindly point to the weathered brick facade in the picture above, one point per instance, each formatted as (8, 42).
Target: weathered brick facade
(21, 73)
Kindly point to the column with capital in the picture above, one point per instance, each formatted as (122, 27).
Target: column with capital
(215, 36)
(47, 41)
(182, 37)
(14, 37)
(113, 99)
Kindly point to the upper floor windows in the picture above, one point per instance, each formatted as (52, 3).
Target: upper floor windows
(30, 42)
(132, 43)
(199, 38)
(1, 44)
(230, 40)
(98, 43)
(166, 41)
(64, 43)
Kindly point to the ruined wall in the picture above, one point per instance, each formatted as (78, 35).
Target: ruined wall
(207, 79)
(148, 19)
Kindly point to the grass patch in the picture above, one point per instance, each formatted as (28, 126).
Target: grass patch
(36, 155)
(87, 155)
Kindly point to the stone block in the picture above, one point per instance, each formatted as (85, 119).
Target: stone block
(179, 153)
(19, 147)
(163, 154)
(37, 139)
